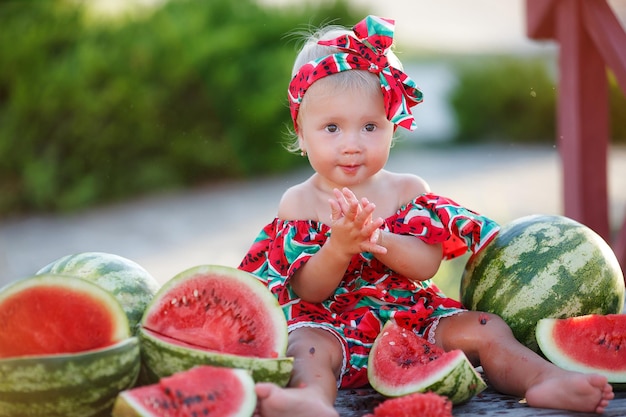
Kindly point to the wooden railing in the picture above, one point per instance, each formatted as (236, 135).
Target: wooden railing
(591, 39)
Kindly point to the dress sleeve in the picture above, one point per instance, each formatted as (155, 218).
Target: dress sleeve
(280, 250)
(436, 219)
(256, 259)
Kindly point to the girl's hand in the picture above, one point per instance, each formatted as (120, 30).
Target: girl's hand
(353, 229)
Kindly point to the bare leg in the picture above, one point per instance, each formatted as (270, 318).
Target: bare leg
(514, 369)
(313, 386)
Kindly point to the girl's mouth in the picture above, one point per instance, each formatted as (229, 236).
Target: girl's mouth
(349, 169)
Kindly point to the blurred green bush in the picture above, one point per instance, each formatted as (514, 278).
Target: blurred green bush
(94, 111)
(514, 99)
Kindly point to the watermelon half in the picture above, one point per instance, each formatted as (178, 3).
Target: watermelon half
(402, 363)
(65, 348)
(51, 314)
(543, 266)
(128, 281)
(200, 391)
(591, 343)
(215, 315)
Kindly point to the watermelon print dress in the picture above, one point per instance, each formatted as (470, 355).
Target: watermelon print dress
(370, 293)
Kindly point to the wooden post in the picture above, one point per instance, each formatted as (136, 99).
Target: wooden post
(583, 124)
(590, 38)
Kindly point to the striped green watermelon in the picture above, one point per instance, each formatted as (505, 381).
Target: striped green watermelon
(65, 348)
(215, 315)
(592, 344)
(543, 266)
(402, 363)
(129, 282)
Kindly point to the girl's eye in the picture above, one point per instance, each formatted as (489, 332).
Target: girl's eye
(370, 127)
(331, 128)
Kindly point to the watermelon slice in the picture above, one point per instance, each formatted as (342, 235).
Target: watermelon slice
(418, 404)
(53, 314)
(215, 315)
(590, 343)
(403, 363)
(200, 391)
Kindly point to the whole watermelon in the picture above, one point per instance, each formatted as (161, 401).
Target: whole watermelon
(543, 266)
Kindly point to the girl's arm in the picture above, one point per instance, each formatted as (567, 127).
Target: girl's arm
(352, 229)
(317, 280)
(409, 256)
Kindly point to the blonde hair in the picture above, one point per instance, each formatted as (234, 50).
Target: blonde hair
(341, 81)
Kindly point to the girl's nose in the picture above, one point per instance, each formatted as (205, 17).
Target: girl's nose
(350, 143)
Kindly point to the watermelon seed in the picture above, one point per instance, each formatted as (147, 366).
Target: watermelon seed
(196, 293)
(174, 301)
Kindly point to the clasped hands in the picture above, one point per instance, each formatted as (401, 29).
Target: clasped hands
(353, 228)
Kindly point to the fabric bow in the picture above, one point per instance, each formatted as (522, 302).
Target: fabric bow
(365, 50)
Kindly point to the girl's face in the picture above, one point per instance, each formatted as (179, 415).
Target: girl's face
(346, 134)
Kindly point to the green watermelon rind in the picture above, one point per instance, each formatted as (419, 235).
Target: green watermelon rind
(164, 359)
(131, 284)
(69, 385)
(492, 281)
(458, 380)
(560, 358)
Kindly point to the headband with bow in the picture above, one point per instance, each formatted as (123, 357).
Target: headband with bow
(365, 50)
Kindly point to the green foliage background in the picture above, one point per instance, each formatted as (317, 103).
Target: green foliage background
(514, 99)
(96, 111)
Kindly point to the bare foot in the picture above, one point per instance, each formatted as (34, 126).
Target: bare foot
(274, 401)
(572, 391)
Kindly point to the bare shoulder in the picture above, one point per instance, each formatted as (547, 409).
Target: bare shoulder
(411, 186)
(295, 203)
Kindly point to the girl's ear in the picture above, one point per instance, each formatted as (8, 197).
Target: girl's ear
(301, 143)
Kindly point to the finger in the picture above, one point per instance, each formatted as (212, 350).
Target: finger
(365, 214)
(350, 196)
(335, 210)
(375, 236)
(341, 200)
(373, 248)
(373, 229)
(353, 207)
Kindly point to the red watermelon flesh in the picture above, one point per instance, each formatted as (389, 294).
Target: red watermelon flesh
(220, 309)
(423, 405)
(589, 343)
(200, 391)
(54, 315)
(402, 363)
